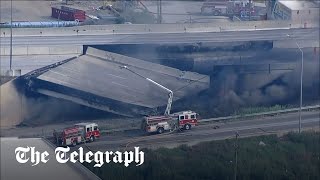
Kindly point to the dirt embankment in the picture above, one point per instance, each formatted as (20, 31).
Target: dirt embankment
(4, 79)
(26, 10)
(37, 10)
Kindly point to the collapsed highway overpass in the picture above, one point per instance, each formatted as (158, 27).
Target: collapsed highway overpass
(96, 79)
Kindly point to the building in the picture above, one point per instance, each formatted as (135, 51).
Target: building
(295, 10)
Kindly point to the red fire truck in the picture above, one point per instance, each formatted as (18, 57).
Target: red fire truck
(90, 131)
(79, 133)
(180, 120)
(186, 119)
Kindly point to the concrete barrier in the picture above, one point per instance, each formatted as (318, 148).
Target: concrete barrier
(305, 108)
(41, 50)
(155, 28)
(290, 44)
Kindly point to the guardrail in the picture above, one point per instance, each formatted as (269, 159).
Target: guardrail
(260, 114)
(231, 117)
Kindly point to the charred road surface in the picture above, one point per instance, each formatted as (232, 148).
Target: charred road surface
(168, 38)
(207, 132)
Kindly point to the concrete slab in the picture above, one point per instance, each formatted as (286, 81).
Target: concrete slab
(95, 78)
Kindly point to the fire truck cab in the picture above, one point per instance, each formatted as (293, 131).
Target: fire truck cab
(186, 119)
(90, 131)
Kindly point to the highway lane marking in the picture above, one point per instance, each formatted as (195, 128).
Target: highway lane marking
(144, 138)
(116, 76)
(54, 72)
(120, 85)
(74, 84)
(222, 130)
(75, 71)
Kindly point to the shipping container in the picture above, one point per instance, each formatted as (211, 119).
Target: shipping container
(68, 14)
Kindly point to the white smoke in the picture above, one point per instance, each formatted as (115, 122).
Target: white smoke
(11, 103)
(17, 108)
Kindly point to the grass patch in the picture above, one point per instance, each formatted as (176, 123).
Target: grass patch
(293, 156)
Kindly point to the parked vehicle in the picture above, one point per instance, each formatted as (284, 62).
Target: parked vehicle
(79, 133)
(68, 14)
(90, 131)
(183, 120)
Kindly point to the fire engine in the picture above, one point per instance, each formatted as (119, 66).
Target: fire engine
(179, 120)
(79, 133)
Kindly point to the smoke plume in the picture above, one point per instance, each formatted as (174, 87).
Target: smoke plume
(17, 108)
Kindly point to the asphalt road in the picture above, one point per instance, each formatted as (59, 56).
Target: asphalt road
(207, 132)
(227, 36)
(31, 62)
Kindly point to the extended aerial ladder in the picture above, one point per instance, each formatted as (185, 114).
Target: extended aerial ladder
(170, 93)
(179, 120)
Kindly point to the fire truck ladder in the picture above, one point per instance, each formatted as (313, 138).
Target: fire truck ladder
(170, 93)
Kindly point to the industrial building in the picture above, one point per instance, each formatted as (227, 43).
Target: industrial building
(303, 12)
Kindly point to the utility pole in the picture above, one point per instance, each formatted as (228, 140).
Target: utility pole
(250, 6)
(301, 80)
(159, 11)
(236, 157)
(11, 73)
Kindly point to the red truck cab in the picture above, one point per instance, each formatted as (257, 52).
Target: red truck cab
(90, 131)
(186, 119)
